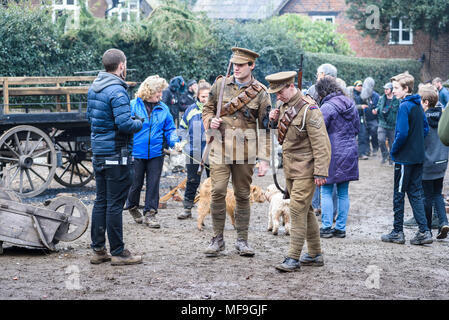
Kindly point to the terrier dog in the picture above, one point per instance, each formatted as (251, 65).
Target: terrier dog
(279, 208)
(256, 195)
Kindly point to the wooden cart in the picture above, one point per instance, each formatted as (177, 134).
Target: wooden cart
(36, 147)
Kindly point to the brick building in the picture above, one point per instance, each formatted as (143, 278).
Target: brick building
(402, 42)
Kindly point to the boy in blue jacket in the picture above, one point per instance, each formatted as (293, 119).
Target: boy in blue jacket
(407, 152)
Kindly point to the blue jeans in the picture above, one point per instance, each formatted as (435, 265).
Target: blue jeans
(112, 182)
(316, 201)
(408, 179)
(327, 206)
(434, 198)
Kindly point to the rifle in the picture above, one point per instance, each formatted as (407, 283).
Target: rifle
(217, 115)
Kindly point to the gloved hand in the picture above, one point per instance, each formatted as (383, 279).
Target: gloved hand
(136, 117)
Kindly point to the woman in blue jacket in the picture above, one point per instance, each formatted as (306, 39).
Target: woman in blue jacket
(158, 131)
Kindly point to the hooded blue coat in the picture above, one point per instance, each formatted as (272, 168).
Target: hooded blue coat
(343, 124)
(157, 130)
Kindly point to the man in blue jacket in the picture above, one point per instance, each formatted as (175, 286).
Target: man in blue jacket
(112, 129)
(408, 154)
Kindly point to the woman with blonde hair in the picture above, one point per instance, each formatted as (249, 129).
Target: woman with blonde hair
(158, 130)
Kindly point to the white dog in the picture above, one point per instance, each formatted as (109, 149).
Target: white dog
(278, 209)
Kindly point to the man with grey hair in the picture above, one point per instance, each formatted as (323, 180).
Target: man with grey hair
(443, 93)
(323, 70)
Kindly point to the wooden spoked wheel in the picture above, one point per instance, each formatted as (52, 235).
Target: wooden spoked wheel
(76, 169)
(28, 160)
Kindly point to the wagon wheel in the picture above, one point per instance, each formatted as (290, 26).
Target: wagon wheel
(76, 170)
(28, 160)
(77, 218)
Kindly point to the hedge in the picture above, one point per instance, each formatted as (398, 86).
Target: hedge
(351, 69)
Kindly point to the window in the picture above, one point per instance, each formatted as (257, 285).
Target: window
(400, 32)
(70, 8)
(330, 19)
(126, 10)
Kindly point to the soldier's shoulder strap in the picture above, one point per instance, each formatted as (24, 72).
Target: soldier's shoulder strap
(258, 84)
(309, 100)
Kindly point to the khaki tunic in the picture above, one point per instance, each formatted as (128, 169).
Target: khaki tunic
(238, 130)
(306, 150)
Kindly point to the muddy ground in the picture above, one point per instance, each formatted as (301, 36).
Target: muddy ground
(357, 267)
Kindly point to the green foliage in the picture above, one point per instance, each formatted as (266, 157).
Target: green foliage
(430, 16)
(174, 41)
(351, 69)
(313, 36)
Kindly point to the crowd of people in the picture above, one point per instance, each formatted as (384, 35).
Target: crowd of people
(335, 127)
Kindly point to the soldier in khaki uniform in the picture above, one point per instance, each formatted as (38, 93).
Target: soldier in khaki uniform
(306, 156)
(245, 108)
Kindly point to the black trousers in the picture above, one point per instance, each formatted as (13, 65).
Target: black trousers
(193, 181)
(112, 183)
(152, 168)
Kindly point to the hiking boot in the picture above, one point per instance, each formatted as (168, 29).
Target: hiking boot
(136, 214)
(326, 233)
(442, 233)
(243, 248)
(383, 161)
(422, 238)
(185, 215)
(100, 256)
(410, 223)
(125, 258)
(216, 245)
(150, 220)
(338, 233)
(394, 237)
(363, 157)
(289, 265)
(307, 260)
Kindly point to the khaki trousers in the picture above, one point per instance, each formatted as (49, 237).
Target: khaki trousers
(304, 225)
(241, 183)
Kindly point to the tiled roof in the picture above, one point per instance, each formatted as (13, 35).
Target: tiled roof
(306, 6)
(240, 9)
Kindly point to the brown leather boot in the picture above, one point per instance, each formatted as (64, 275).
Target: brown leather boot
(100, 257)
(150, 220)
(125, 258)
(136, 214)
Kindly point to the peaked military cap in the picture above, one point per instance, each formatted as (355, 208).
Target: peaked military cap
(242, 55)
(279, 80)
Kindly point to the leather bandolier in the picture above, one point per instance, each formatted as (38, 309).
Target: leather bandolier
(242, 99)
(290, 114)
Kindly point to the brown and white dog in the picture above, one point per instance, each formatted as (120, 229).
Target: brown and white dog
(279, 208)
(256, 195)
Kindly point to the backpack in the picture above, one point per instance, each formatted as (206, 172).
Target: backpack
(443, 127)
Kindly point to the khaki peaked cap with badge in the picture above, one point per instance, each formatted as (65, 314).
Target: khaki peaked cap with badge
(280, 80)
(242, 108)
(306, 149)
(242, 55)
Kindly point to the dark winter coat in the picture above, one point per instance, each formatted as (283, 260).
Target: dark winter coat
(109, 113)
(387, 116)
(436, 154)
(342, 124)
(411, 128)
(173, 97)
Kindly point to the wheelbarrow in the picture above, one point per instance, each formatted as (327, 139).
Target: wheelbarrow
(64, 219)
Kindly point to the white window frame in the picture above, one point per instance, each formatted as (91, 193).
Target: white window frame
(400, 29)
(323, 18)
(75, 8)
(124, 6)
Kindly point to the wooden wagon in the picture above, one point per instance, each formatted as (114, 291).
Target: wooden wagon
(36, 147)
